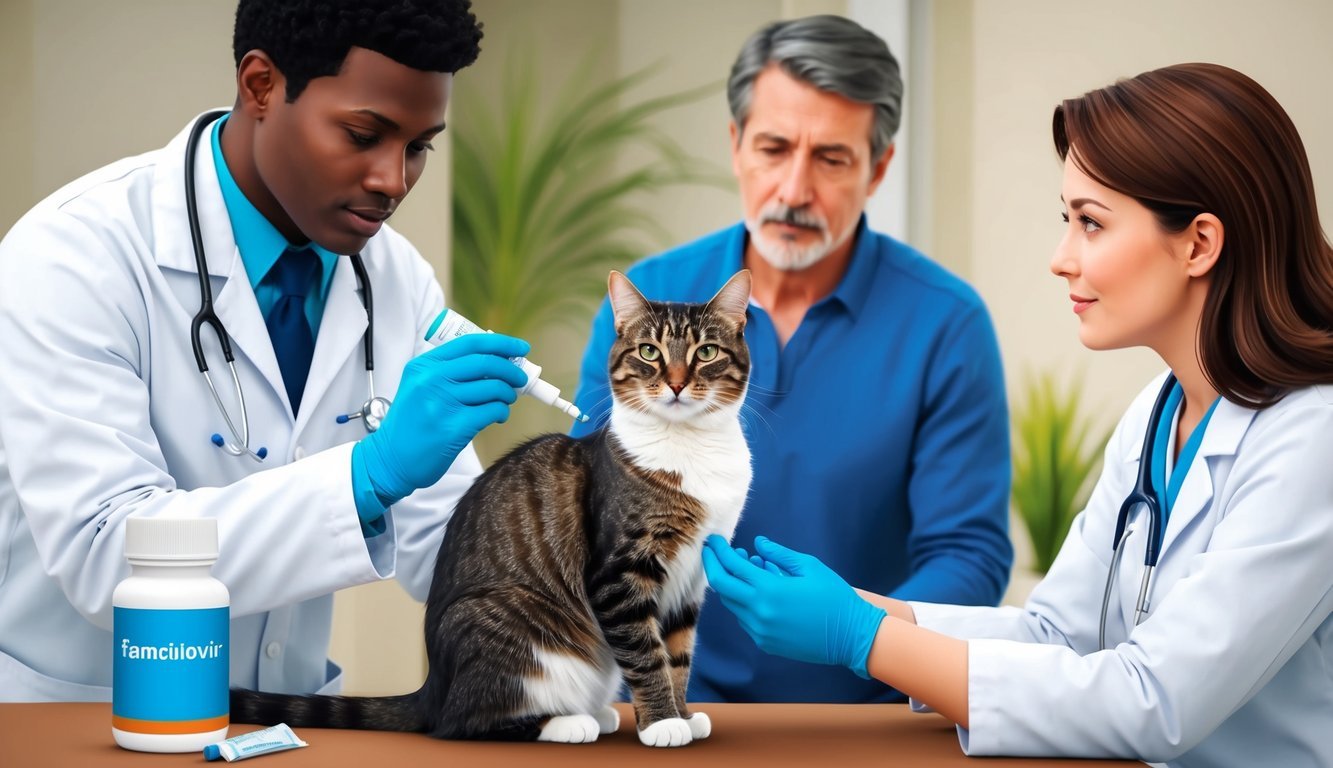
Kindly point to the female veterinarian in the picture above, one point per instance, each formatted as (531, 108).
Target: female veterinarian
(1186, 618)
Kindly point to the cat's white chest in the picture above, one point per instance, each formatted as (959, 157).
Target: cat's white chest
(713, 465)
(720, 482)
(712, 462)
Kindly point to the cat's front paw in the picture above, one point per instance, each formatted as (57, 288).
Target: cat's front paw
(570, 729)
(608, 720)
(671, 732)
(700, 726)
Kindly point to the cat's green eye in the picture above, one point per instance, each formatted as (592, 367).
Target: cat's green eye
(706, 352)
(649, 352)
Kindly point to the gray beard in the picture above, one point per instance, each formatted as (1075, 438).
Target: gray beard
(789, 257)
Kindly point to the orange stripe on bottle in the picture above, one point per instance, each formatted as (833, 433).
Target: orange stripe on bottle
(170, 726)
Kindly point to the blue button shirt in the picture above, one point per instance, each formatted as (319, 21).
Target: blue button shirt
(260, 243)
(879, 438)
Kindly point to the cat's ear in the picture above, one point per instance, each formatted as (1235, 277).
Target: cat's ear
(733, 298)
(626, 301)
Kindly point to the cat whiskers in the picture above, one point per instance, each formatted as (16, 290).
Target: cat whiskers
(752, 409)
(765, 390)
(605, 417)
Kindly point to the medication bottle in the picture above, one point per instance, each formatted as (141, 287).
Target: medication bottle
(169, 684)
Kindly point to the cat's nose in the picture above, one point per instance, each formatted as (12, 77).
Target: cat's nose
(675, 377)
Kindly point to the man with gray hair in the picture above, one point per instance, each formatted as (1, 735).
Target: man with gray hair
(876, 409)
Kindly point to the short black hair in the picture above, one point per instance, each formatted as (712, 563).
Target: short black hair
(310, 38)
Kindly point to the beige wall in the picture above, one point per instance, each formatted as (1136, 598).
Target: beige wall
(108, 83)
(16, 123)
(1026, 57)
(949, 50)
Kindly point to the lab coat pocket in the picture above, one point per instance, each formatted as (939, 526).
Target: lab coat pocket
(333, 679)
(20, 683)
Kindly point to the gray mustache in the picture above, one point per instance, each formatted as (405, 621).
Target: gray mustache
(796, 217)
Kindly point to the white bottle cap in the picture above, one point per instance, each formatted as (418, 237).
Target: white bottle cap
(171, 538)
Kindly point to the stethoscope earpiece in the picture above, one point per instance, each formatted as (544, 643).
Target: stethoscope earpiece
(217, 440)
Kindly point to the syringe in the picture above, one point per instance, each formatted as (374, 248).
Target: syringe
(450, 325)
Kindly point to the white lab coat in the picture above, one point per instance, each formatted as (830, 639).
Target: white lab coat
(1233, 665)
(104, 414)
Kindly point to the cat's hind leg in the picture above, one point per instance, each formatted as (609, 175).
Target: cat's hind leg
(577, 686)
(478, 667)
(524, 667)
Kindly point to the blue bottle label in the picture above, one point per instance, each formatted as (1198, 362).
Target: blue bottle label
(171, 670)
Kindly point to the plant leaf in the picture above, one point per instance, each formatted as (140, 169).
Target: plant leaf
(1054, 462)
(543, 204)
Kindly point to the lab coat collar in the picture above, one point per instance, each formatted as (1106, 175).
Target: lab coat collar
(340, 336)
(1225, 430)
(172, 246)
(1223, 436)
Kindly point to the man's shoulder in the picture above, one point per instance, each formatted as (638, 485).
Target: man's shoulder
(108, 202)
(117, 183)
(904, 268)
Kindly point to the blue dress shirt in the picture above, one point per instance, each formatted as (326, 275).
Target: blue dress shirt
(879, 438)
(260, 243)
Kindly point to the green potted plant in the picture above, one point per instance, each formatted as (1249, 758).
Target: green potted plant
(543, 202)
(1056, 454)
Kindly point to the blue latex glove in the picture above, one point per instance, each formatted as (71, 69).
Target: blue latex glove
(445, 397)
(793, 605)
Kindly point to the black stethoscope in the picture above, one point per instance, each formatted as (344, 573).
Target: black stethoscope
(372, 410)
(1141, 495)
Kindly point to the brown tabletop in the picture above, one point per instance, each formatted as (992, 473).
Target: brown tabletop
(65, 735)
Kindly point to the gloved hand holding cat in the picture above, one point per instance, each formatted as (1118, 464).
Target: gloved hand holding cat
(792, 604)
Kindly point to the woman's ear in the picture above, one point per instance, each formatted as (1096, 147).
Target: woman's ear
(1205, 236)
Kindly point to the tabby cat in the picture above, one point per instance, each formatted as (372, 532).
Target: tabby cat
(573, 562)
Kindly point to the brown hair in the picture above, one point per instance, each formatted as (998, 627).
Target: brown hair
(1195, 138)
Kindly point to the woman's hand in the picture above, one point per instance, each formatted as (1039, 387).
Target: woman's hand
(793, 605)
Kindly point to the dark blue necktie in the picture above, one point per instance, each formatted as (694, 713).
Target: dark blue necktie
(293, 342)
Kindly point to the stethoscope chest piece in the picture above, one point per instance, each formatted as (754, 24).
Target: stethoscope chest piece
(372, 413)
(375, 410)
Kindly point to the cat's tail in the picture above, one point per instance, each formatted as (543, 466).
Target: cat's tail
(371, 713)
